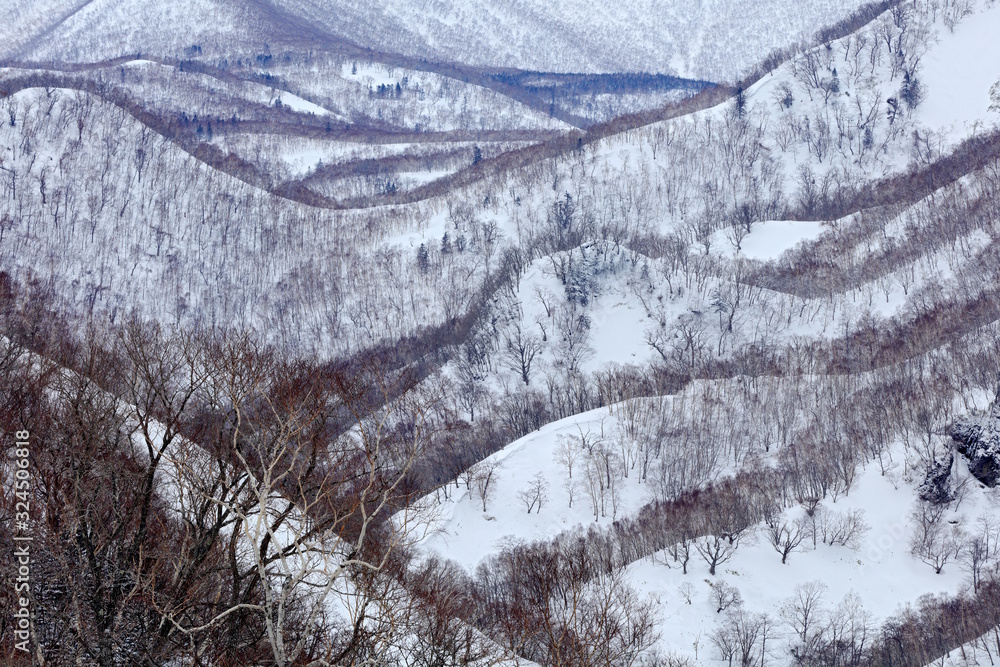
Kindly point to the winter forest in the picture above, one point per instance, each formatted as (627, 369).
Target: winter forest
(370, 334)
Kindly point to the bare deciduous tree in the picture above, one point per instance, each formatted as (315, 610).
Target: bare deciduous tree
(785, 537)
(724, 596)
(535, 494)
(483, 475)
(520, 349)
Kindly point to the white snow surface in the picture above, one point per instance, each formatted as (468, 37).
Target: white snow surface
(881, 572)
(958, 72)
(466, 534)
(768, 240)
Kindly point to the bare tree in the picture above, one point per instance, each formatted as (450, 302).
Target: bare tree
(724, 596)
(567, 452)
(981, 551)
(742, 638)
(715, 550)
(471, 391)
(736, 233)
(803, 611)
(554, 603)
(483, 474)
(520, 349)
(785, 537)
(572, 488)
(934, 542)
(535, 494)
(843, 529)
(574, 331)
(310, 513)
(442, 634)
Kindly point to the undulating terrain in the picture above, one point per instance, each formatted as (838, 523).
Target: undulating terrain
(462, 333)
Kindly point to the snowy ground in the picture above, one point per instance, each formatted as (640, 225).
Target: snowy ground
(768, 240)
(466, 534)
(881, 571)
(958, 72)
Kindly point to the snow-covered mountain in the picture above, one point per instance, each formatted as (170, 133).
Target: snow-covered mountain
(647, 370)
(716, 41)
(705, 40)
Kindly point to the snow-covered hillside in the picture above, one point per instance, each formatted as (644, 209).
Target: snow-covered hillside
(873, 576)
(661, 372)
(712, 40)
(957, 104)
(706, 40)
(92, 31)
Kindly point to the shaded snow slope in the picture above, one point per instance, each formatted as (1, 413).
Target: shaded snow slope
(101, 29)
(712, 40)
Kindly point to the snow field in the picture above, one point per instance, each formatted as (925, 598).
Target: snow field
(879, 572)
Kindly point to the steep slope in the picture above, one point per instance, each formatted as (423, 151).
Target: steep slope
(103, 29)
(723, 346)
(708, 40)
(957, 106)
(26, 22)
(711, 40)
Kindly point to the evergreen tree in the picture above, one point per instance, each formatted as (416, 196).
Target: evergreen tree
(423, 258)
(740, 102)
(911, 92)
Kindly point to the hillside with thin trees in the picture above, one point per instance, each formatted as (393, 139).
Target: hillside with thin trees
(450, 334)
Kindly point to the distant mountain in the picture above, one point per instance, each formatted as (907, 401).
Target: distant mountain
(709, 39)
(650, 370)
(89, 31)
